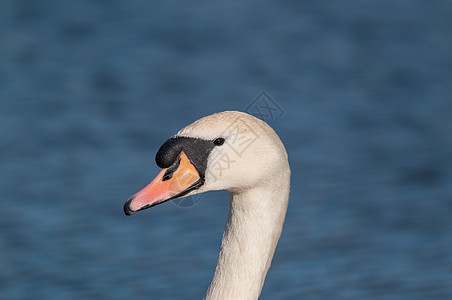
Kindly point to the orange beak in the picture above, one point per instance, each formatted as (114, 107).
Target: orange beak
(173, 182)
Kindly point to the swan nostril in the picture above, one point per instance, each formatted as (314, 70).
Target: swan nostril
(170, 171)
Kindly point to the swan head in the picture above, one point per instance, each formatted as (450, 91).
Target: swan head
(230, 150)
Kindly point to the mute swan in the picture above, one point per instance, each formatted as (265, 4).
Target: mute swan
(237, 152)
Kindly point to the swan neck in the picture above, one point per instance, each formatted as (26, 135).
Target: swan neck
(253, 228)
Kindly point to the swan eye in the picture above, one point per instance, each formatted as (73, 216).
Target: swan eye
(218, 141)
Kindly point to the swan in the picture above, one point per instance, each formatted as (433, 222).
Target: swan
(237, 152)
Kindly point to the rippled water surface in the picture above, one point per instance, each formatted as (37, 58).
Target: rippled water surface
(89, 90)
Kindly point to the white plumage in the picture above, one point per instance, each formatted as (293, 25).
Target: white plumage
(258, 180)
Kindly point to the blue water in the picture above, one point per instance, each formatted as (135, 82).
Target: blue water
(89, 90)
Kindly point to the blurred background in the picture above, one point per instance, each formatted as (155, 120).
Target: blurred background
(89, 90)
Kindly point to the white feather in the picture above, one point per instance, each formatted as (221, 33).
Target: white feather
(253, 166)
